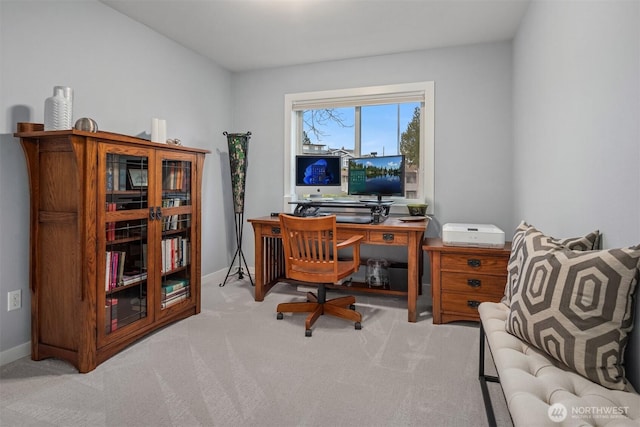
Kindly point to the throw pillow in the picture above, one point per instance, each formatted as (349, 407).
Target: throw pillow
(519, 250)
(577, 306)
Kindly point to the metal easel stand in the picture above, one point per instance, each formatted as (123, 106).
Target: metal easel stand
(239, 221)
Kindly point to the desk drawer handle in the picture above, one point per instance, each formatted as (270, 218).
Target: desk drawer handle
(275, 230)
(474, 283)
(387, 237)
(475, 263)
(473, 304)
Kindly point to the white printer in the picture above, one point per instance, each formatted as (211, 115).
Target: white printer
(477, 235)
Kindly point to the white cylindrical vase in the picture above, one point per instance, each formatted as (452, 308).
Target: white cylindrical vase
(68, 94)
(57, 109)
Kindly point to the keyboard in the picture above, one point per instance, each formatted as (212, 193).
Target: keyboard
(354, 219)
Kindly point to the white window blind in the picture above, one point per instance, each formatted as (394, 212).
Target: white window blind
(359, 100)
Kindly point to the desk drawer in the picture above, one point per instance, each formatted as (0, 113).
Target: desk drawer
(465, 304)
(472, 284)
(271, 231)
(474, 263)
(346, 234)
(388, 237)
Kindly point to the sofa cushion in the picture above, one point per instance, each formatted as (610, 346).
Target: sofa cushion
(520, 250)
(576, 306)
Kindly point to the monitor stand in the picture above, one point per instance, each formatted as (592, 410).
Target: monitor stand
(379, 209)
(378, 200)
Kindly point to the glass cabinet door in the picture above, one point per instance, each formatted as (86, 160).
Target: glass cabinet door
(125, 237)
(177, 233)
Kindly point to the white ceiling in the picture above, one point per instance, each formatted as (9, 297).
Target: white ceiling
(243, 35)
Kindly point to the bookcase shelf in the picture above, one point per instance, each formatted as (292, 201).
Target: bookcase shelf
(115, 240)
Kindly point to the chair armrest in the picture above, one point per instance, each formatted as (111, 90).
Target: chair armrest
(350, 242)
(355, 242)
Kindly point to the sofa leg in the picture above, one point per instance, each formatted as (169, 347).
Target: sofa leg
(491, 418)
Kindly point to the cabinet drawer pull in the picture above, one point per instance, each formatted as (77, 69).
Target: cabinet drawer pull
(387, 237)
(474, 283)
(158, 213)
(275, 230)
(152, 213)
(473, 304)
(475, 263)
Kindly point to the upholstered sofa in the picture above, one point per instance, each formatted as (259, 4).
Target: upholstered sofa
(558, 337)
(532, 382)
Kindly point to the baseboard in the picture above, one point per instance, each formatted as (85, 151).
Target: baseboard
(15, 353)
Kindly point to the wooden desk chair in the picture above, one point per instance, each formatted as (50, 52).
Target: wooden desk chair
(311, 255)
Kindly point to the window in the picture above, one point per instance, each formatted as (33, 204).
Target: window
(361, 122)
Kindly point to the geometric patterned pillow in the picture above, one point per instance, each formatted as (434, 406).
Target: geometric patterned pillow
(577, 306)
(519, 250)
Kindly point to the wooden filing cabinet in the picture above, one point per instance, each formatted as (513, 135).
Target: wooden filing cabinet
(463, 277)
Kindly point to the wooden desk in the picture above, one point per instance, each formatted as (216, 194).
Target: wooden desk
(269, 262)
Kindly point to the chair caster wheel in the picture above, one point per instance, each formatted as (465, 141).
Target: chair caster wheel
(352, 307)
(280, 316)
(358, 326)
(307, 332)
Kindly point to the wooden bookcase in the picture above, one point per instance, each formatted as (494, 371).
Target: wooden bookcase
(115, 240)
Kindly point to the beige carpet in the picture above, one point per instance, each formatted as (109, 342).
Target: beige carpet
(236, 365)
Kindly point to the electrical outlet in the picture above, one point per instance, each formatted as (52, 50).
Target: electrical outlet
(14, 300)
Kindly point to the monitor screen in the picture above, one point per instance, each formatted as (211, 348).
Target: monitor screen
(317, 175)
(381, 176)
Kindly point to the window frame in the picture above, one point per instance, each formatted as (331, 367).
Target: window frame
(422, 92)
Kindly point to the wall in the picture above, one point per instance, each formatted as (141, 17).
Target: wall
(473, 133)
(123, 74)
(576, 131)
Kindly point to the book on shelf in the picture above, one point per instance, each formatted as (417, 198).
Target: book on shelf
(174, 300)
(171, 285)
(139, 305)
(174, 294)
(111, 226)
(174, 291)
(116, 173)
(175, 253)
(113, 281)
(175, 175)
(171, 221)
(122, 177)
(120, 278)
(114, 269)
(111, 314)
(107, 271)
(110, 172)
(144, 256)
(133, 277)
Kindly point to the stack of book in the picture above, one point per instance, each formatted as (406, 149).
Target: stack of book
(174, 291)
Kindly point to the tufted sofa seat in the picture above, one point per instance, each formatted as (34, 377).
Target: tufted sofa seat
(533, 383)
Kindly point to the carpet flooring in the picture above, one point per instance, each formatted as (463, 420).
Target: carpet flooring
(235, 364)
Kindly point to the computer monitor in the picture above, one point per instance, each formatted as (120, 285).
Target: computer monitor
(317, 175)
(377, 176)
